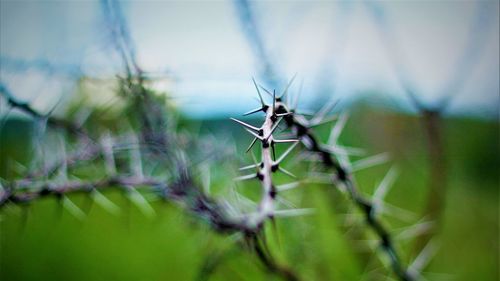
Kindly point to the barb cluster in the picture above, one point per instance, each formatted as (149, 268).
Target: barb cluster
(333, 157)
(268, 163)
(180, 186)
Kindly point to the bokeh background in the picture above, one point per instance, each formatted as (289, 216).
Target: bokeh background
(398, 67)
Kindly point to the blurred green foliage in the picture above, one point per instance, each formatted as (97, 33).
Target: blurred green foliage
(44, 242)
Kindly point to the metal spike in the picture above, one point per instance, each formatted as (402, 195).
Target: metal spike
(253, 111)
(287, 186)
(297, 97)
(274, 102)
(251, 144)
(323, 121)
(287, 152)
(288, 86)
(415, 230)
(324, 111)
(337, 129)
(72, 208)
(273, 149)
(274, 128)
(293, 212)
(54, 107)
(284, 114)
(104, 202)
(423, 258)
(254, 134)
(384, 186)
(246, 177)
(370, 161)
(285, 141)
(249, 167)
(266, 90)
(397, 212)
(286, 172)
(245, 124)
(141, 203)
(258, 92)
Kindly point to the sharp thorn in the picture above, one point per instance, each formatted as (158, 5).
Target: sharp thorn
(370, 162)
(274, 151)
(244, 124)
(297, 97)
(322, 121)
(251, 144)
(285, 141)
(423, 258)
(274, 128)
(293, 212)
(325, 110)
(385, 185)
(285, 154)
(274, 102)
(288, 86)
(246, 177)
(258, 92)
(253, 111)
(72, 208)
(287, 172)
(138, 199)
(284, 114)
(249, 167)
(337, 129)
(104, 202)
(254, 134)
(287, 186)
(266, 90)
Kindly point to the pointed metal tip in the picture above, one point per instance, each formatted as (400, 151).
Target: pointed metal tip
(285, 141)
(253, 111)
(293, 212)
(274, 101)
(254, 134)
(248, 167)
(244, 124)
(285, 154)
(258, 92)
(266, 90)
(288, 186)
(251, 145)
(288, 86)
(284, 114)
(246, 177)
(287, 172)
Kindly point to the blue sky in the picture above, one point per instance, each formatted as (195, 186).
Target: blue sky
(346, 47)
